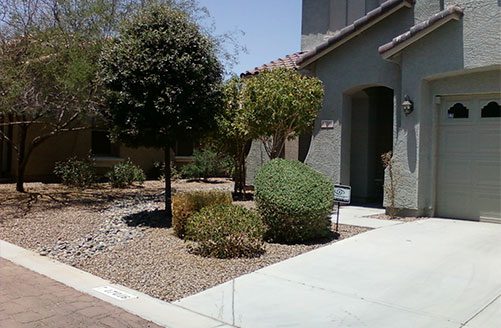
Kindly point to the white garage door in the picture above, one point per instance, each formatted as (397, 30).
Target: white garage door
(469, 158)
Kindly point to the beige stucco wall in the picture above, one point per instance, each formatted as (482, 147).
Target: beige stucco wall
(61, 147)
(58, 148)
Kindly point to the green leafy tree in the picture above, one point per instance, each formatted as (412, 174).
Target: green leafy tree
(281, 104)
(164, 79)
(48, 51)
(234, 135)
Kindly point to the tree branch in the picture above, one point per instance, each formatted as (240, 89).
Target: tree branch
(3, 136)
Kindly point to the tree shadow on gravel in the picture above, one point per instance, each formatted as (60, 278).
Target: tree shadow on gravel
(152, 219)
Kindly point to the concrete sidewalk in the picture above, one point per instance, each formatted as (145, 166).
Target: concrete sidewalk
(431, 273)
(360, 216)
(36, 291)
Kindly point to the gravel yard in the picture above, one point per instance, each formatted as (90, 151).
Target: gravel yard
(115, 234)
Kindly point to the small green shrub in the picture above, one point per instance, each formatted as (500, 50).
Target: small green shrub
(157, 172)
(207, 163)
(294, 201)
(125, 174)
(186, 204)
(75, 172)
(226, 231)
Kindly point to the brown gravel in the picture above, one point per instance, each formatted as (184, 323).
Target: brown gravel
(86, 229)
(398, 218)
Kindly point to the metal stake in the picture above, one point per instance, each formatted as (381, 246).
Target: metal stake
(337, 217)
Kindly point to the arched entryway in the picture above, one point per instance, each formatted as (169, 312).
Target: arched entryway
(371, 136)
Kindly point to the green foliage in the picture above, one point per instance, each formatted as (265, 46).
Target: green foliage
(76, 173)
(186, 204)
(163, 79)
(294, 201)
(233, 133)
(226, 231)
(159, 168)
(207, 163)
(281, 104)
(125, 174)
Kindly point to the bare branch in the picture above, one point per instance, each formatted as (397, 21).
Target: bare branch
(3, 136)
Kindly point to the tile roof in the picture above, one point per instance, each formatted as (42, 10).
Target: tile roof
(358, 25)
(289, 61)
(423, 27)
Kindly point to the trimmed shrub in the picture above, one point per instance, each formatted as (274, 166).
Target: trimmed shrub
(186, 204)
(76, 173)
(294, 201)
(226, 231)
(207, 163)
(125, 174)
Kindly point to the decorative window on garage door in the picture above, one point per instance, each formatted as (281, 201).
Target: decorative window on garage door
(458, 111)
(492, 109)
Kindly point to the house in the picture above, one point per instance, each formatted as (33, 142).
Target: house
(419, 78)
(93, 143)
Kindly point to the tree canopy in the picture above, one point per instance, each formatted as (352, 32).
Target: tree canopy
(281, 104)
(163, 80)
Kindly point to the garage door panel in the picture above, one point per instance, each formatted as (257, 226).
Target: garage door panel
(453, 172)
(455, 203)
(488, 204)
(469, 163)
(456, 141)
(487, 174)
(487, 140)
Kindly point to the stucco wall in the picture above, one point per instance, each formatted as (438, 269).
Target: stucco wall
(444, 52)
(59, 148)
(142, 156)
(352, 67)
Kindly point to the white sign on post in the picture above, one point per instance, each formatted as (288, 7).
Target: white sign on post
(342, 194)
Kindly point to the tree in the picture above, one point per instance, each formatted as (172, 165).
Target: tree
(48, 50)
(281, 104)
(163, 80)
(234, 135)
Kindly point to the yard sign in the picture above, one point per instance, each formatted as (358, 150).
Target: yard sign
(342, 194)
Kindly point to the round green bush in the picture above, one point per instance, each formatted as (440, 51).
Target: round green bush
(294, 200)
(226, 231)
(125, 174)
(75, 172)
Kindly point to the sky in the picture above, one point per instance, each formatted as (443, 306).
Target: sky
(272, 28)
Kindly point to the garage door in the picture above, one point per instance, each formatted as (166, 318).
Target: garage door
(469, 158)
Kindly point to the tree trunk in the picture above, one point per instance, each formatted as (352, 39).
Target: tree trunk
(168, 188)
(21, 160)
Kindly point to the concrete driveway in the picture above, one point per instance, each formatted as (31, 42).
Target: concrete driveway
(430, 273)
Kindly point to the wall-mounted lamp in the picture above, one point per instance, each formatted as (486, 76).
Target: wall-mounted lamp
(407, 105)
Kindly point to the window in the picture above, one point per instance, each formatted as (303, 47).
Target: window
(101, 143)
(184, 147)
(457, 111)
(492, 109)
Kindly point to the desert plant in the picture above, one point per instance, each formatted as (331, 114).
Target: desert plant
(207, 163)
(294, 201)
(390, 187)
(226, 231)
(157, 172)
(75, 172)
(125, 174)
(186, 204)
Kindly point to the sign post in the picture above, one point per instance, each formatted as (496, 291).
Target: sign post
(342, 194)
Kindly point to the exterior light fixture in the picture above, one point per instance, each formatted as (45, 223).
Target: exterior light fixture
(407, 105)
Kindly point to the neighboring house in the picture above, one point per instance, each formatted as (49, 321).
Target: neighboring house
(419, 78)
(93, 143)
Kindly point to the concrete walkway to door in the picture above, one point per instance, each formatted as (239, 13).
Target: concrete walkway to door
(430, 273)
